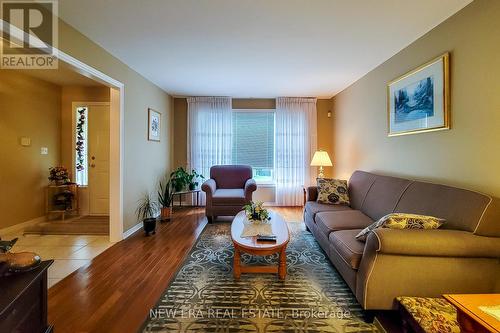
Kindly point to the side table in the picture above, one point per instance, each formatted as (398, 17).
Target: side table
(181, 193)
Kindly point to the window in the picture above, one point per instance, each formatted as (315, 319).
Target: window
(81, 146)
(253, 142)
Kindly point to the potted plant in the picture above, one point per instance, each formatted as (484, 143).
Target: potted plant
(146, 212)
(179, 179)
(165, 198)
(192, 179)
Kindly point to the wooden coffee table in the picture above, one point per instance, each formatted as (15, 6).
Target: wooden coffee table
(250, 245)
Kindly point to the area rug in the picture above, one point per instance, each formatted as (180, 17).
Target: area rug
(85, 225)
(204, 296)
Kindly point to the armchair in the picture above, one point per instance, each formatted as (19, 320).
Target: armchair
(229, 188)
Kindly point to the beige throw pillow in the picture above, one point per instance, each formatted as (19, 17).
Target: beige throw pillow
(402, 221)
(332, 191)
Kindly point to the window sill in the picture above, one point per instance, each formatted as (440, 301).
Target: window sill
(266, 184)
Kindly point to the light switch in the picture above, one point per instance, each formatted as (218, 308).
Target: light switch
(25, 141)
(44, 151)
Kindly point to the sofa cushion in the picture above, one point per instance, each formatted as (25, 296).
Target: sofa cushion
(402, 221)
(314, 207)
(341, 220)
(347, 246)
(233, 196)
(332, 191)
(359, 185)
(230, 176)
(462, 209)
(383, 196)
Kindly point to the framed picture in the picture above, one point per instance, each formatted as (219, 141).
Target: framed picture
(154, 125)
(419, 101)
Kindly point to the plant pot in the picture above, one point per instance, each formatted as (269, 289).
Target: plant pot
(178, 188)
(192, 187)
(149, 225)
(166, 213)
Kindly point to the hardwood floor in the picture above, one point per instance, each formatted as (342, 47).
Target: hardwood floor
(116, 290)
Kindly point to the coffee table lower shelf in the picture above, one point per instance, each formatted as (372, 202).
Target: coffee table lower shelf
(238, 268)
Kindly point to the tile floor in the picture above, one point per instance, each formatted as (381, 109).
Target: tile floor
(69, 252)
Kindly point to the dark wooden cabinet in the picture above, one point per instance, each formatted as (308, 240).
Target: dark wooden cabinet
(23, 301)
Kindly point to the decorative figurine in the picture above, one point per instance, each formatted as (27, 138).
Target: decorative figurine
(5, 246)
(12, 263)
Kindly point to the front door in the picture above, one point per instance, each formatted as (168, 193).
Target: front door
(98, 159)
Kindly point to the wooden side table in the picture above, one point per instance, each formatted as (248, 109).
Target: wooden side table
(181, 193)
(52, 190)
(470, 317)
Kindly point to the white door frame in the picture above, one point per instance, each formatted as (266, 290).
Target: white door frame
(74, 106)
(115, 131)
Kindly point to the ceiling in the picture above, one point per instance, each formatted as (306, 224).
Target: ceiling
(255, 48)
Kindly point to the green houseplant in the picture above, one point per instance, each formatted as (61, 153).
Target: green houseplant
(179, 179)
(146, 211)
(192, 179)
(165, 198)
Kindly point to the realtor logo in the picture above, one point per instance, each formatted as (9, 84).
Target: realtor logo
(29, 34)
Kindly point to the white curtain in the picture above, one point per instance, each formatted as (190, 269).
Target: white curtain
(209, 134)
(296, 140)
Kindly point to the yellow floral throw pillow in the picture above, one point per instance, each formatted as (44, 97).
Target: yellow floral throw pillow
(402, 221)
(332, 191)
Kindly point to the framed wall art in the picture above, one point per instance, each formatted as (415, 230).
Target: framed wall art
(419, 101)
(154, 125)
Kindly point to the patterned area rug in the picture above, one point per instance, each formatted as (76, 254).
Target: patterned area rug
(204, 297)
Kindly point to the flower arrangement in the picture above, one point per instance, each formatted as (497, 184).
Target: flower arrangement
(255, 212)
(59, 174)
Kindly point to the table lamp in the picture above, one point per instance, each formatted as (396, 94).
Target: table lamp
(321, 159)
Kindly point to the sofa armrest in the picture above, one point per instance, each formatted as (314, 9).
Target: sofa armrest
(209, 187)
(312, 193)
(433, 243)
(250, 187)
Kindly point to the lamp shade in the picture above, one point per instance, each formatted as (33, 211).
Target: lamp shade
(321, 158)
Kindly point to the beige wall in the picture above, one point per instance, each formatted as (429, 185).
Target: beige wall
(267, 193)
(72, 94)
(468, 154)
(31, 108)
(145, 162)
(325, 131)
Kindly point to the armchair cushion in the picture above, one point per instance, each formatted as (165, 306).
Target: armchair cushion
(231, 176)
(434, 243)
(232, 197)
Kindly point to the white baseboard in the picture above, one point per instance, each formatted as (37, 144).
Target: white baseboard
(21, 226)
(130, 231)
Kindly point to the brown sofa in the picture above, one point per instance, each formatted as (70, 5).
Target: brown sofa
(229, 188)
(463, 256)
